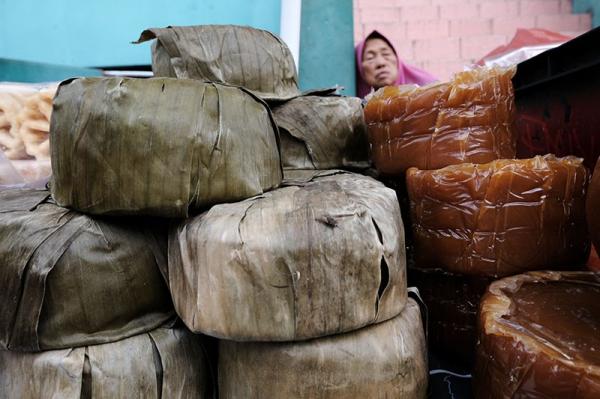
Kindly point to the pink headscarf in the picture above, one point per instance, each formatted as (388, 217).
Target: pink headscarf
(406, 74)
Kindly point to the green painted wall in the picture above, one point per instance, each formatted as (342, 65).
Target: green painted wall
(591, 6)
(326, 45)
(98, 33)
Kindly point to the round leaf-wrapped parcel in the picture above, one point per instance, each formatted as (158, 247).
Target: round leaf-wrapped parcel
(322, 132)
(593, 207)
(500, 218)
(321, 256)
(385, 360)
(163, 363)
(239, 55)
(539, 337)
(469, 119)
(159, 147)
(71, 280)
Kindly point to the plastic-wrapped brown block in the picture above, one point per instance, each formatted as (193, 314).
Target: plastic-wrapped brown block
(593, 207)
(539, 337)
(469, 119)
(500, 218)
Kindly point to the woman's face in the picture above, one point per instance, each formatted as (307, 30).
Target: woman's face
(379, 63)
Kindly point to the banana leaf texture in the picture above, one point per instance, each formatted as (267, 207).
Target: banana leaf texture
(239, 55)
(163, 363)
(322, 132)
(323, 255)
(386, 360)
(161, 147)
(71, 280)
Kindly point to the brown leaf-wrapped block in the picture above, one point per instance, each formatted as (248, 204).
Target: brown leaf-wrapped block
(500, 218)
(161, 147)
(593, 207)
(323, 255)
(469, 119)
(452, 304)
(163, 363)
(70, 280)
(386, 360)
(540, 337)
(322, 132)
(238, 55)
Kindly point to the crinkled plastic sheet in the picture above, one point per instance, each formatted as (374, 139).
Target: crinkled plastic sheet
(322, 255)
(500, 218)
(593, 207)
(469, 119)
(70, 280)
(385, 360)
(160, 147)
(539, 337)
(163, 363)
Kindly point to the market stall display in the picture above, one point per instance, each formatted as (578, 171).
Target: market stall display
(321, 255)
(384, 360)
(72, 280)
(500, 218)
(160, 147)
(539, 334)
(469, 119)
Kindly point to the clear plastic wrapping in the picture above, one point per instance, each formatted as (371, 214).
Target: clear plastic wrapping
(500, 218)
(593, 207)
(469, 119)
(539, 337)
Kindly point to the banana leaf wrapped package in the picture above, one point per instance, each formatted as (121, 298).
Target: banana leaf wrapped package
(321, 256)
(386, 360)
(322, 132)
(501, 218)
(161, 147)
(469, 119)
(162, 363)
(70, 280)
(239, 55)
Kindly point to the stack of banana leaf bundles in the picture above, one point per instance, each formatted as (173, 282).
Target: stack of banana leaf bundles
(205, 233)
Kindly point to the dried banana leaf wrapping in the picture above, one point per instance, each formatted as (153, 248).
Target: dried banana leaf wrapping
(592, 205)
(239, 55)
(163, 363)
(469, 119)
(70, 280)
(500, 218)
(321, 256)
(386, 360)
(539, 337)
(452, 304)
(322, 132)
(162, 147)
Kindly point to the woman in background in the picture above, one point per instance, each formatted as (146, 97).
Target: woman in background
(378, 66)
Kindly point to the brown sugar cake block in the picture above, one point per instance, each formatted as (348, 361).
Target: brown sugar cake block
(385, 360)
(162, 363)
(452, 303)
(70, 280)
(319, 256)
(500, 218)
(539, 337)
(593, 207)
(469, 119)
